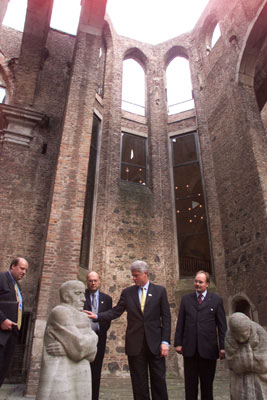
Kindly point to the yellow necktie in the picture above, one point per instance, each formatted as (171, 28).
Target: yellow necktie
(143, 299)
(19, 309)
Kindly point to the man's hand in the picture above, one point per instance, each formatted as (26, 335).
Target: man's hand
(222, 354)
(55, 349)
(164, 349)
(90, 314)
(179, 349)
(7, 325)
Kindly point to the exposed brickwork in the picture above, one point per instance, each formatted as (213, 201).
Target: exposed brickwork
(43, 186)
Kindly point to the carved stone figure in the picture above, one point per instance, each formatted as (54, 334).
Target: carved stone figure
(246, 353)
(69, 347)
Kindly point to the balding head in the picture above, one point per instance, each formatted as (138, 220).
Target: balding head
(93, 281)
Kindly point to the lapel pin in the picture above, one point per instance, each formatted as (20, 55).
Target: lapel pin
(211, 309)
(149, 294)
(102, 302)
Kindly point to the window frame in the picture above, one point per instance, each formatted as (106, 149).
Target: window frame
(187, 163)
(145, 167)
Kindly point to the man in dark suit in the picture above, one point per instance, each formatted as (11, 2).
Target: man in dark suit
(201, 326)
(10, 311)
(147, 333)
(97, 301)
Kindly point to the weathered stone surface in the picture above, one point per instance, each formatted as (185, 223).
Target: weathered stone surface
(246, 353)
(43, 186)
(69, 347)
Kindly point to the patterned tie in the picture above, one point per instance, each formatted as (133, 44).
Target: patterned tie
(199, 298)
(19, 306)
(94, 325)
(143, 299)
(94, 303)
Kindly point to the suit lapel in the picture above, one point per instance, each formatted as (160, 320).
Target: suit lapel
(101, 304)
(207, 300)
(149, 295)
(194, 300)
(10, 281)
(136, 297)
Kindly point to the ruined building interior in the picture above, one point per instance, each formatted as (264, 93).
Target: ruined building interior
(88, 184)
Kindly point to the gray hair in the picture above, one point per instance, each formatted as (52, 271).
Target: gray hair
(140, 266)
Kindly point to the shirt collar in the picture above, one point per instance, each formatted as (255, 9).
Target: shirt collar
(204, 294)
(145, 286)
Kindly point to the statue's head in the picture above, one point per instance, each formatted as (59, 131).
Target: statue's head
(240, 326)
(72, 293)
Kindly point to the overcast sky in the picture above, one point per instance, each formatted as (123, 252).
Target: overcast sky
(150, 21)
(154, 21)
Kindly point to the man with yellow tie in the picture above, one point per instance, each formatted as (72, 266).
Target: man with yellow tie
(147, 333)
(10, 311)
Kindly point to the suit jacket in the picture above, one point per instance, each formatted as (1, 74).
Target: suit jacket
(8, 300)
(201, 326)
(154, 323)
(105, 303)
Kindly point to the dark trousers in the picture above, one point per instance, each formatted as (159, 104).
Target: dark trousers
(197, 368)
(6, 354)
(139, 366)
(96, 366)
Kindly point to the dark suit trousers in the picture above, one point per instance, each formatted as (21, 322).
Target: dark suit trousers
(96, 366)
(6, 354)
(199, 368)
(139, 366)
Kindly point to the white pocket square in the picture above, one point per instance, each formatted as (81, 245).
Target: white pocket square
(149, 294)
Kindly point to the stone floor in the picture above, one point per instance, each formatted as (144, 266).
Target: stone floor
(115, 388)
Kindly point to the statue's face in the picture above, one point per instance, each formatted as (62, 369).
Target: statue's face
(75, 297)
(242, 334)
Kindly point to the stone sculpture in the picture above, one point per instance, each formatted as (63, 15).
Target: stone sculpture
(246, 353)
(69, 347)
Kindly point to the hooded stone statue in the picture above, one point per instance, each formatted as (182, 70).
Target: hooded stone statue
(246, 353)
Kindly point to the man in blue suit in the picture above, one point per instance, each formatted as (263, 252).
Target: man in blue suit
(147, 333)
(10, 311)
(201, 326)
(97, 302)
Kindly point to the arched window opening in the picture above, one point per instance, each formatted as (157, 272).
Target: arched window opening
(16, 14)
(3, 87)
(191, 219)
(243, 306)
(264, 116)
(179, 86)
(65, 15)
(215, 36)
(2, 94)
(133, 87)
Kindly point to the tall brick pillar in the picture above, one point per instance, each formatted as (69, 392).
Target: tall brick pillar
(63, 244)
(3, 8)
(32, 51)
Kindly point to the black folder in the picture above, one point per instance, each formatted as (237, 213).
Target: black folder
(9, 309)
